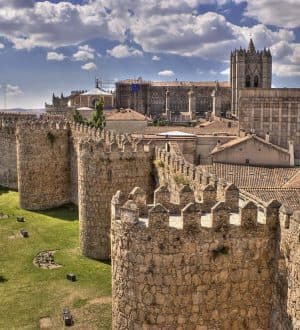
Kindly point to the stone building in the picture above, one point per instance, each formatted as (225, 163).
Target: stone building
(88, 99)
(252, 150)
(273, 113)
(126, 120)
(249, 69)
(82, 100)
(154, 98)
(60, 104)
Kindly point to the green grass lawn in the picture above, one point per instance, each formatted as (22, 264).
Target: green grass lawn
(28, 293)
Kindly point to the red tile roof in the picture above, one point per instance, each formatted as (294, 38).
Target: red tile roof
(126, 114)
(253, 176)
(243, 139)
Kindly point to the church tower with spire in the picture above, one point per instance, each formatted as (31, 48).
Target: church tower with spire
(249, 69)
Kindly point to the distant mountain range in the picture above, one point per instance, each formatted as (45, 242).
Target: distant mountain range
(23, 110)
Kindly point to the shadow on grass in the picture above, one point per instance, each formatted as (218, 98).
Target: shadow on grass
(3, 279)
(106, 262)
(67, 212)
(4, 190)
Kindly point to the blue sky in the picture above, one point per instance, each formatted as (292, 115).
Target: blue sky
(58, 46)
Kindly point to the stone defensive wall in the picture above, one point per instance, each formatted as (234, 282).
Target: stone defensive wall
(288, 274)
(54, 162)
(43, 164)
(174, 171)
(103, 168)
(8, 149)
(182, 266)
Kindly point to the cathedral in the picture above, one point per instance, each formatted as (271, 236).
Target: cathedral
(268, 112)
(248, 97)
(249, 68)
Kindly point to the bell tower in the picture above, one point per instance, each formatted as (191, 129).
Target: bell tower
(249, 69)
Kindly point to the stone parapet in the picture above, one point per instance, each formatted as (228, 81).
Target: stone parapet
(102, 167)
(43, 164)
(195, 270)
(176, 172)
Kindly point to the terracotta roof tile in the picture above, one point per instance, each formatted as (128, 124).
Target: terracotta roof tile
(252, 176)
(126, 114)
(214, 127)
(287, 197)
(294, 182)
(240, 140)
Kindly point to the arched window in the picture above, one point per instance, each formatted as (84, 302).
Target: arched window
(248, 81)
(256, 80)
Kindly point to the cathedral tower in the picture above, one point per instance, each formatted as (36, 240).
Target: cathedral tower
(249, 69)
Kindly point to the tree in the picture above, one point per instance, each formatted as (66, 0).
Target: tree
(98, 118)
(77, 117)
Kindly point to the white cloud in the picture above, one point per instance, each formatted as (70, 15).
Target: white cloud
(286, 59)
(184, 34)
(166, 73)
(12, 90)
(122, 51)
(208, 36)
(2, 46)
(167, 26)
(89, 66)
(225, 72)
(54, 56)
(286, 70)
(275, 12)
(84, 53)
(155, 58)
(48, 24)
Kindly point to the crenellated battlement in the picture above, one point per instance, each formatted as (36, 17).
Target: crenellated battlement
(86, 131)
(174, 171)
(41, 125)
(175, 266)
(108, 147)
(189, 213)
(13, 116)
(52, 161)
(113, 160)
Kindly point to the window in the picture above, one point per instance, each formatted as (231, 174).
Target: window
(248, 81)
(247, 161)
(256, 80)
